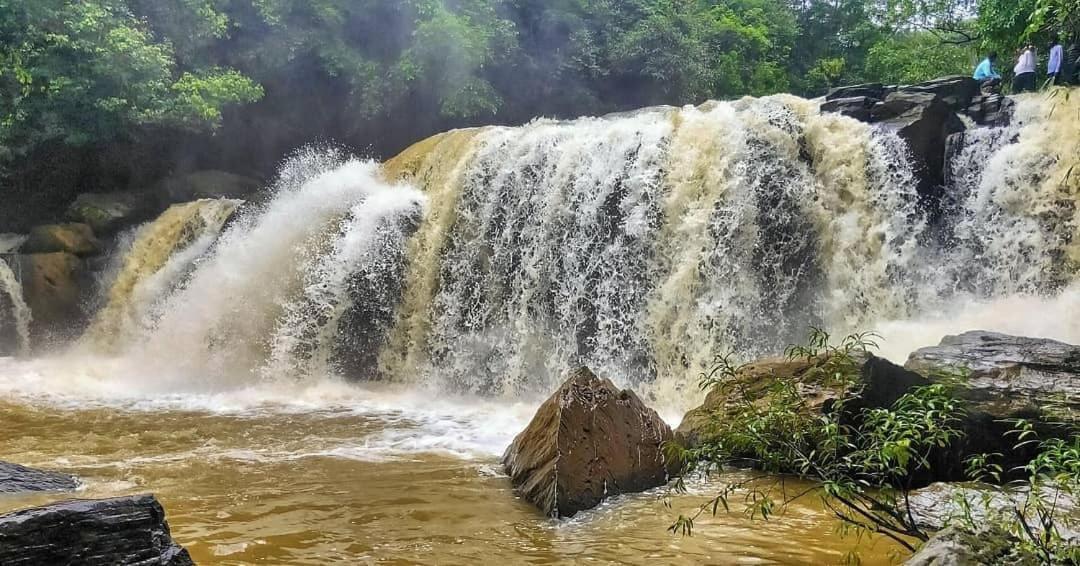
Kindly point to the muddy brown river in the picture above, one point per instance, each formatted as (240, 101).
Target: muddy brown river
(332, 473)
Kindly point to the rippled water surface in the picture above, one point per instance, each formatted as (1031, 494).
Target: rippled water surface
(337, 474)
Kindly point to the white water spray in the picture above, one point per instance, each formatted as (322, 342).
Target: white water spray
(14, 313)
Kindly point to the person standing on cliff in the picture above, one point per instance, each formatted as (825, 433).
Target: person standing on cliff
(1054, 66)
(1026, 65)
(989, 79)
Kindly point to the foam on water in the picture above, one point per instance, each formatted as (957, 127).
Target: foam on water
(409, 420)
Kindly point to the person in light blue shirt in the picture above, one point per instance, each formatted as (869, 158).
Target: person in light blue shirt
(988, 78)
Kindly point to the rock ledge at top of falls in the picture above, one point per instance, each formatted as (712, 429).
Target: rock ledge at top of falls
(108, 213)
(207, 184)
(882, 384)
(74, 238)
(925, 116)
(587, 442)
(1008, 376)
(20, 479)
(108, 532)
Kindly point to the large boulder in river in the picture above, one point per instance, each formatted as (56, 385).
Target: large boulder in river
(20, 479)
(108, 213)
(74, 238)
(1008, 376)
(1002, 377)
(109, 532)
(882, 383)
(587, 442)
(204, 185)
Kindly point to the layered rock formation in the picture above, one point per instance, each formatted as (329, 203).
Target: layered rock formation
(1008, 376)
(109, 532)
(20, 479)
(589, 441)
(925, 115)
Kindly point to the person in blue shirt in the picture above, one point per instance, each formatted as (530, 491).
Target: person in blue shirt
(988, 78)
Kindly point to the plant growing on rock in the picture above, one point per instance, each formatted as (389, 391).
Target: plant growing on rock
(863, 460)
(1039, 523)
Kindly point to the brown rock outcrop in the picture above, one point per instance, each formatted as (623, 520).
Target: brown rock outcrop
(73, 238)
(587, 442)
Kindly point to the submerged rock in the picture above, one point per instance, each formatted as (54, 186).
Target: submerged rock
(882, 383)
(1007, 376)
(20, 479)
(76, 239)
(587, 442)
(108, 532)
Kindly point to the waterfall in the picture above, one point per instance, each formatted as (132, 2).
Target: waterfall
(162, 252)
(15, 316)
(642, 244)
(645, 243)
(272, 297)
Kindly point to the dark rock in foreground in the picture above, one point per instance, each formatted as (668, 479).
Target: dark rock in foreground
(20, 479)
(108, 532)
(1008, 376)
(587, 442)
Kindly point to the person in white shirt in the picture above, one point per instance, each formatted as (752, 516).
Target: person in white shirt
(1024, 71)
(1057, 55)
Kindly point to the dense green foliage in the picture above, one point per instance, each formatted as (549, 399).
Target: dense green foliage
(236, 84)
(864, 463)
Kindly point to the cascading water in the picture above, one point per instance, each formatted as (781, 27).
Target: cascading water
(162, 252)
(643, 244)
(269, 296)
(15, 316)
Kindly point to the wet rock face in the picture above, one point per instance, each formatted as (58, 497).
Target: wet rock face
(587, 442)
(925, 122)
(20, 479)
(108, 532)
(925, 115)
(1008, 376)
